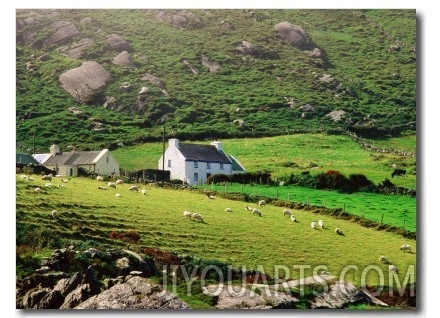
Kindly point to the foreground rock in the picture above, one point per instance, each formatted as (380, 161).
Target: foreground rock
(135, 293)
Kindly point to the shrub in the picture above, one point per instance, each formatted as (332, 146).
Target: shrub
(129, 236)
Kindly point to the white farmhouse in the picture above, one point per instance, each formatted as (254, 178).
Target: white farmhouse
(194, 163)
(67, 163)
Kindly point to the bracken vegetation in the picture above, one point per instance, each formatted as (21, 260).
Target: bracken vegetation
(359, 66)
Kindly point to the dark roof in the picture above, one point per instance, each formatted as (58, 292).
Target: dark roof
(73, 158)
(206, 153)
(25, 159)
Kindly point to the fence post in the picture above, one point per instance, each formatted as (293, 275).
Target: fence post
(381, 219)
(288, 196)
(308, 200)
(226, 184)
(344, 207)
(363, 213)
(404, 221)
(277, 194)
(241, 188)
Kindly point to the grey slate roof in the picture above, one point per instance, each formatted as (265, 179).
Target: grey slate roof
(206, 153)
(73, 158)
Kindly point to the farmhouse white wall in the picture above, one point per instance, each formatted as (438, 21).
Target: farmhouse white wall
(184, 169)
(105, 163)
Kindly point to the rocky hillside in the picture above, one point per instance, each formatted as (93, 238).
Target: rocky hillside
(102, 78)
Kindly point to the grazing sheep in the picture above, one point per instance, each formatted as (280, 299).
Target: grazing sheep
(313, 225)
(261, 203)
(111, 185)
(338, 231)
(134, 188)
(197, 217)
(287, 212)
(99, 178)
(37, 189)
(187, 214)
(30, 178)
(256, 212)
(321, 224)
(393, 269)
(144, 192)
(47, 177)
(54, 214)
(48, 185)
(102, 188)
(64, 180)
(228, 210)
(292, 218)
(405, 248)
(117, 195)
(247, 208)
(119, 181)
(211, 196)
(383, 259)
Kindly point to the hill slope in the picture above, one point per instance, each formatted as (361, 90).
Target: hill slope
(97, 78)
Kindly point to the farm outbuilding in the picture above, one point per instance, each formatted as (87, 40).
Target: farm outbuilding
(194, 163)
(67, 163)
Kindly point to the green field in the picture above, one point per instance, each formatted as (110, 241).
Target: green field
(284, 155)
(397, 210)
(89, 215)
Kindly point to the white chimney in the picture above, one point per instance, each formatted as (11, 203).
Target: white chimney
(54, 150)
(173, 142)
(218, 145)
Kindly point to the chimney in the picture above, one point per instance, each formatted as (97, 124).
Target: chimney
(173, 142)
(54, 150)
(218, 145)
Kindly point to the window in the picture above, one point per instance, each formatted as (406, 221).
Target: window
(208, 165)
(169, 163)
(196, 177)
(196, 164)
(221, 166)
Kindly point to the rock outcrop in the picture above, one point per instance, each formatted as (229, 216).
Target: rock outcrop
(85, 81)
(294, 35)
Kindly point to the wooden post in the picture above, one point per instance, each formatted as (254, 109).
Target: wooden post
(344, 207)
(404, 221)
(225, 186)
(242, 189)
(277, 194)
(363, 213)
(212, 185)
(381, 219)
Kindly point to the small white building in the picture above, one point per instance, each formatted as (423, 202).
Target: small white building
(194, 163)
(67, 163)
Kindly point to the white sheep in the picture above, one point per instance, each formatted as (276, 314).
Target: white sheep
(54, 214)
(144, 192)
(393, 269)
(100, 178)
(292, 218)
(261, 203)
(321, 224)
(228, 210)
(338, 231)
(37, 189)
(197, 217)
(48, 185)
(313, 225)
(47, 177)
(256, 212)
(64, 180)
(187, 214)
(247, 208)
(111, 185)
(287, 212)
(102, 188)
(134, 188)
(383, 259)
(119, 181)
(405, 248)
(117, 195)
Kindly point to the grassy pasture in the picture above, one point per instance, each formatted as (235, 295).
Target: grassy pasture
(284, 155)
(397, 210)
(89, 215)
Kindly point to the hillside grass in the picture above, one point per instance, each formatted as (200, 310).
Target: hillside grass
(88, 216)
(376, 87)
(283, 155)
